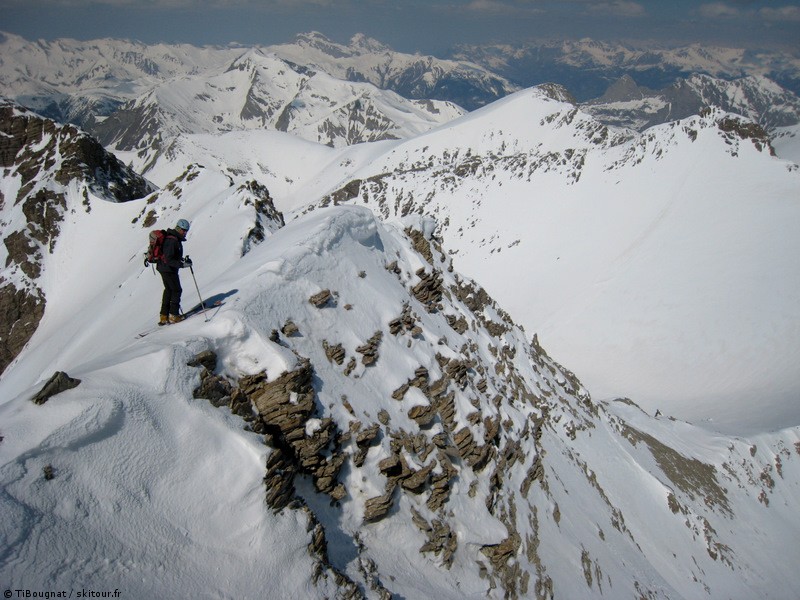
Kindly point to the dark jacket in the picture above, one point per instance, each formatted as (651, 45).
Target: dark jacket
(172, 252)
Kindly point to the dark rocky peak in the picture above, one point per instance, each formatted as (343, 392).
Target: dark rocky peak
(46, 159)
(623, 90)
(40, 150)
(557, 92)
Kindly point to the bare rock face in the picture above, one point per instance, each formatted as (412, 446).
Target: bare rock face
(46, 157)
(59, 382)
(20, 313)
(268, 218)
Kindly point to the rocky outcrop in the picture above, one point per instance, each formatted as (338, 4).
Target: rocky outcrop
(46, 157)
(21, 311)
(59, 382)
(268, 218)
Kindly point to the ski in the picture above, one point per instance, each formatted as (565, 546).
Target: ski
(189, 313)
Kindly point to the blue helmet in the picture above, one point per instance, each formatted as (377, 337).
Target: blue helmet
(183, 224)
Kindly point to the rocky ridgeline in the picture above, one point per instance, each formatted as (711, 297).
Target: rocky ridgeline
(483, 431)
(473, 417)
(44, 158)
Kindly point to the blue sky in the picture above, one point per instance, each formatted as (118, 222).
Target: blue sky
(429, 26)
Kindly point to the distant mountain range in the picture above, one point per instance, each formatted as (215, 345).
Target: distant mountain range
(359, 411)
(588, 67)
(356, 418)
(757, 98)
(139, 86)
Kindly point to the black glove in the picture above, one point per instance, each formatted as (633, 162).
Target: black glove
(187, 262)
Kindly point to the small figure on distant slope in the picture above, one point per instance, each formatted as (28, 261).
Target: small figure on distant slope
(170, 262)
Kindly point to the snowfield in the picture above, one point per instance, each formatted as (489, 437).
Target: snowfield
(519, 354)
(156, 493)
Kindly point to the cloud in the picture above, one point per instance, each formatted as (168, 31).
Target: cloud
(719, 10)
(172, 4)
(722, 10)
(500, 7)
(618, 8)
(785, 13)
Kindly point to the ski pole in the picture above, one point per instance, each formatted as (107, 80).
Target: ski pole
(202, 304)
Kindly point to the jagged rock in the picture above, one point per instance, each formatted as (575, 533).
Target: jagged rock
(438, 387)
(368, 436)
(279, 479)
(429, 290)
(267, 216)
(21, 311)
(350, 366)
(59, 382)
(334, 353)
(458, 371)
(405, 322)
(364, 441)
(416, 480)
(369, 351)
(458, 324)
(446, 407)
(213, 388)
(441, 541)
(391, 466)
(420, 244)
(423, 415)
(400, 392)
(464, 441)
(376, 508)
(499, 554)
(491, 429)
(207, 359)
(321, 299)
(240, 404)
(289, 329)
(285, 405)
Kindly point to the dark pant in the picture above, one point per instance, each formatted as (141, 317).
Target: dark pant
(171, 300)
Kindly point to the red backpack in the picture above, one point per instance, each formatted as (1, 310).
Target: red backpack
(154, 252)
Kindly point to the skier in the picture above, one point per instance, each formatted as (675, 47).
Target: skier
(172, 260)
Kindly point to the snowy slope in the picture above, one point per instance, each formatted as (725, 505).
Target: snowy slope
(84, 82)
(786, 142)
(410, 75)
(588, 66)
(75, 79)
(756, 98)
(659, 268)
(258, 92)
(519, 485)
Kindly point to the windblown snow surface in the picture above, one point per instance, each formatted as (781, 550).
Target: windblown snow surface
(157, 494)
(659, 266)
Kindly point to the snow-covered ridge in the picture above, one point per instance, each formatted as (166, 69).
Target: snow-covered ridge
(564, 221)
(416, 442)
(89, 80)
(261, 91)
(48, 171)
(596, 64)
(755, 98)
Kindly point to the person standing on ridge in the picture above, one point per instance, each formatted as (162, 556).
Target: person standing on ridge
(171, 261)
